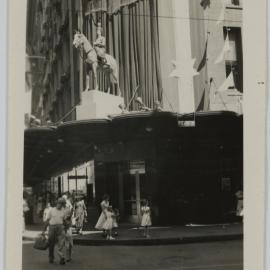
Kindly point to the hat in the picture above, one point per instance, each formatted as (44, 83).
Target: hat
(64, 197)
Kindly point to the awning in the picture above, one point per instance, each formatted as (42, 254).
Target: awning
(50, 151)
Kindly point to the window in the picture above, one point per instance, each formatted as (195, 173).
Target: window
(233, 58)
(233, 2)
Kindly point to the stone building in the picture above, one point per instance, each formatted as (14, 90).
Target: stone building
(184, 55)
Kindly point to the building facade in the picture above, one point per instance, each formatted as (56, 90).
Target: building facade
(159, 46)
(185, 55)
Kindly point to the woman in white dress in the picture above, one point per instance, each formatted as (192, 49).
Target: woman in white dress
(80, 213)
(102, 218)
(146, 218)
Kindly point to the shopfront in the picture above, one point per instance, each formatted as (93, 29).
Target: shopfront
(189, 173)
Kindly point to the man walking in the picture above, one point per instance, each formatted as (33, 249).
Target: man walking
(56, 220)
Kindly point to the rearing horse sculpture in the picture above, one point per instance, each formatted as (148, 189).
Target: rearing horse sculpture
(80, 41)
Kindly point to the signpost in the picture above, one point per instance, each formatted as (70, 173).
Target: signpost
(137, 166)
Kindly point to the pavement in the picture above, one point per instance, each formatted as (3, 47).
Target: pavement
(130, 235)
(221, 255)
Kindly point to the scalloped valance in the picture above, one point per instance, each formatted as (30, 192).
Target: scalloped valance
(109, 6)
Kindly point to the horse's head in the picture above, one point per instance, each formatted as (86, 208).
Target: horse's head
(78, 39)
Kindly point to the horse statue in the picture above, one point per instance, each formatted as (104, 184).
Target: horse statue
(92, 53)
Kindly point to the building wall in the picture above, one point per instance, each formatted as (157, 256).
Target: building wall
(182, 27)
(203, 24)
(49, 34)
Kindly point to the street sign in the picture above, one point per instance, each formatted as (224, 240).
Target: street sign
(137, 166)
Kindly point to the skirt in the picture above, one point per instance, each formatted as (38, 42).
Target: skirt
(101, 221)
(108, 225)
(146, 220)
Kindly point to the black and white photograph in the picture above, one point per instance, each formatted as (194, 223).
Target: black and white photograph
(133, 141)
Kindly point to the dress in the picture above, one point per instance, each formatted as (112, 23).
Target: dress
(108, 224)
(102, 218)
(80, 210)
(146, 218)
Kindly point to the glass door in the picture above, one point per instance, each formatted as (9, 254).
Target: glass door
(132, 196)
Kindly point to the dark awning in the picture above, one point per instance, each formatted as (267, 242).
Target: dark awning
(49, 151)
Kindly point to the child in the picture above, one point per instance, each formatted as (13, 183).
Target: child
(108, 225)
(115, 218)
(146, 218)
(46, 211)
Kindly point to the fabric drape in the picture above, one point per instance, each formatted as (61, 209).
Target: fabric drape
(132, 38)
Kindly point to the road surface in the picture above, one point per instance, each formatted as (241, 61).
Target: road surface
(201, 256)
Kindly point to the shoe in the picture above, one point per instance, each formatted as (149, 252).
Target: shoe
(62, 261)
(68, 260)
(111, 238)
(51, 260)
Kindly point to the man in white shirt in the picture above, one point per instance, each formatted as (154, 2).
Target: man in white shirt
(56, 221)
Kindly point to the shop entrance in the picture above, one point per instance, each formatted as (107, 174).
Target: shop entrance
(133, 191)
(133, 187)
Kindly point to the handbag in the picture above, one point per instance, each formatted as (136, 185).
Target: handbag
(41, 242)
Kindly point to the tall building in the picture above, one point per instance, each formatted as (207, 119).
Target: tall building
(158, 44)
(174, 58)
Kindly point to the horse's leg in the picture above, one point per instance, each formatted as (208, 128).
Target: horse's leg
(87, 82)
(94, 66)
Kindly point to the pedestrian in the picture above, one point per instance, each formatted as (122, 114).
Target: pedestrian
(102, 218)
(239, 208)
(25, 210)
(108, 224)
(80, 214)
(68, 201)
(68, 241)
(115, 217)
(46, 211)
(55, 220)
(39, 207)
(146, 218)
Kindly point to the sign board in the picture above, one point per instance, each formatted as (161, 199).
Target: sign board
(187, 123)
(77, 176)
(137, 166)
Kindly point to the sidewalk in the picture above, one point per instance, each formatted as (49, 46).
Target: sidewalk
(128, 235)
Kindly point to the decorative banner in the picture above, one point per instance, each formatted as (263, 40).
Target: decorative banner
(226, 49)
(227, 84)
(204, 59)
(184, 68)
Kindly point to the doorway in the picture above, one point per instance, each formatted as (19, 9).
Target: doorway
(133, 194)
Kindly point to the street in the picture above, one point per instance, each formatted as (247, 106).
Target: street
(226, 255)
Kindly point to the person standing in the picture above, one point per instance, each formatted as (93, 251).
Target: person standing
(68, 241)
(56, 220)
(146, 218)
(80, 214)
(108, 224)
(239, 208)
(102, 218)
(25, 210)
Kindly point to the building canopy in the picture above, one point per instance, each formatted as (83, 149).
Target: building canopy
(50, 151)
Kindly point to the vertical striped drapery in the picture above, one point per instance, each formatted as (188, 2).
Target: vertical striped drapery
(132, 38)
